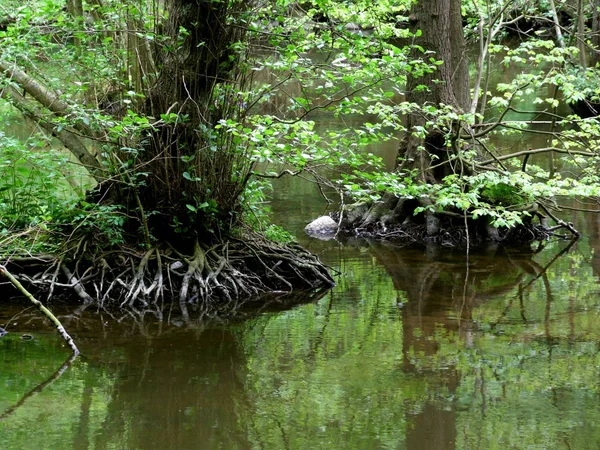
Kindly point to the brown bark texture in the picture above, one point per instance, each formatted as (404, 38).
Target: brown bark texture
(595, 54)
(439, 23)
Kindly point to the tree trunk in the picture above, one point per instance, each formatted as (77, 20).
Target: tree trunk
(195, 172)
(595, 56)
(440, 24)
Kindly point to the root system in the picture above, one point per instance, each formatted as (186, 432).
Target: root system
(224, 272)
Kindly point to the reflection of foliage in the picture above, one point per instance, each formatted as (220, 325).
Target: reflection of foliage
(528, 363)
(336, 370)
(316, 373)
(53, 411)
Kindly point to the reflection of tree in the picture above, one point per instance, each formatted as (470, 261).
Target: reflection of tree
(172, 384)
(442, 289)
(179, 392)
(327, 375)
(537, 271)
(178, 383)
(39, 388)
(592, 223)
(82, 435)
(43, 397)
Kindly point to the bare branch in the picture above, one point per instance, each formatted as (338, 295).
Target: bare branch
(535, 151)
(61, 330)
(279, 175)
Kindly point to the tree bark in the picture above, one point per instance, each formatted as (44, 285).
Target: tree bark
(190, 159)
(440, 25)
(595, 56)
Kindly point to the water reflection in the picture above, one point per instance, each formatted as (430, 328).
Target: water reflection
(440, 318)
(415, 348)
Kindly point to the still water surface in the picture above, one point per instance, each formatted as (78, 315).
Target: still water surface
(414, 349)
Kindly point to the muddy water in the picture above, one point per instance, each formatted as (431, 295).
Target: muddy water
(415, 348)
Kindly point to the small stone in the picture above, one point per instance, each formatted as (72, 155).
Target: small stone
(323, 226)
(176, 265)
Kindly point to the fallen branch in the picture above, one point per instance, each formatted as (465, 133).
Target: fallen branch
(42, 308)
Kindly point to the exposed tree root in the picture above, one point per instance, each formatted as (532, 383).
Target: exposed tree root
(395, 219)
(224, 272)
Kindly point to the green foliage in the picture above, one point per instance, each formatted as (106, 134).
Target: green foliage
(33, 189)
(104, 222)
(578, 83)
(278, 234)
(257, 212)
(285, 107)
(35, 195)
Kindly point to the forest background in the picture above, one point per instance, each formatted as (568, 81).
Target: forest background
(156, 126)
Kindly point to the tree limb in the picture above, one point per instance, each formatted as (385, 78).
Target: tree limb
(537, 150)
(61, 330)
(42, 94)
(67, 138)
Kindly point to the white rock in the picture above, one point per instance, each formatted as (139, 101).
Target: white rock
(176, 265)
(324, 225)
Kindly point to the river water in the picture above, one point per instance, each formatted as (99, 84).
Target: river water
(415, 348)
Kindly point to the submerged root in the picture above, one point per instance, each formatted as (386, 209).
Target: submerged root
(225, 272)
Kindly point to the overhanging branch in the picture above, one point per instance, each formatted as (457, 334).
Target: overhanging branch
(67, 138)
(535, 151)
(42, 95)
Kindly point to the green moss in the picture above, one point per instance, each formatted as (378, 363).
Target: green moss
(502, 194)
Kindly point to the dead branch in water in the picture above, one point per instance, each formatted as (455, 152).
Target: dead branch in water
(61, 330)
